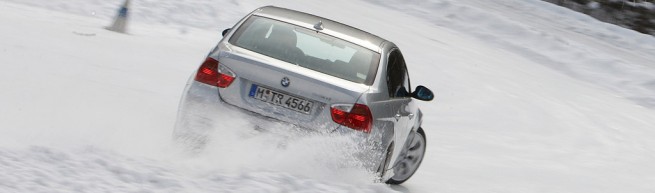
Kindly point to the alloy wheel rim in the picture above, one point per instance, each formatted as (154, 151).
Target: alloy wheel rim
(411, 159)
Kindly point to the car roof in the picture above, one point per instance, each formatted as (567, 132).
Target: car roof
(330, 27)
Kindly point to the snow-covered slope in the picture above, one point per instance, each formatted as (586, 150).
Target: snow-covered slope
(530, 98)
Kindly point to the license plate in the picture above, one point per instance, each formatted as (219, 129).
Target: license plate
(281, 99)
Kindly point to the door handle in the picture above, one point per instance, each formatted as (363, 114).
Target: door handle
(411, 116)
(397, 116)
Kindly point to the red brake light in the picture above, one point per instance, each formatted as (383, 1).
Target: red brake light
(208, 72)
(224, 80)
(357, 117)
(212, 73)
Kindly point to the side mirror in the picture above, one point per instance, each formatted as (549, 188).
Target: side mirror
(226, 31)
(423, 93)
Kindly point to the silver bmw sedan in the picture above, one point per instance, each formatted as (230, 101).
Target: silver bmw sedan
(317, 74)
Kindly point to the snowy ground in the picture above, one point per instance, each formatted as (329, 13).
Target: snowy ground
(530, 98)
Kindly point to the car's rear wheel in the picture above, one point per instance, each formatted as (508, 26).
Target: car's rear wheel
(410, 159)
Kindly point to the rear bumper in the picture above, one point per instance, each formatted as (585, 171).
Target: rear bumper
(201, 110)
(201, 107)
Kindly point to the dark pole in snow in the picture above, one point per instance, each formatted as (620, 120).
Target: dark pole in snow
(120, 22)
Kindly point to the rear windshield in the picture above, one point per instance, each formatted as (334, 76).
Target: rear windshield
(307, 48)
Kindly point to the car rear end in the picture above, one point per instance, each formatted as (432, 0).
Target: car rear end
(286, 66)
(279, 64)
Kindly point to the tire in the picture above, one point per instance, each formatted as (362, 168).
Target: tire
(411, 160)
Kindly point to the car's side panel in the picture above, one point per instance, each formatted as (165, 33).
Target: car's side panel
(400, 111)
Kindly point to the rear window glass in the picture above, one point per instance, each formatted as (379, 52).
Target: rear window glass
(307, 48)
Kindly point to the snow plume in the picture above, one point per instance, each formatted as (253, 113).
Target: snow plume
(44, 169)
(238, 157)
(237, 144)
(222, 137)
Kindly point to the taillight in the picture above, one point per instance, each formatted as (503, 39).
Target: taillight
(357, 116)
(215, 74)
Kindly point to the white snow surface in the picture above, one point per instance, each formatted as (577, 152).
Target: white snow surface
(531, 97)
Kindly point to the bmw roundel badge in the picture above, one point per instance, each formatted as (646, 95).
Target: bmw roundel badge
(285, 82)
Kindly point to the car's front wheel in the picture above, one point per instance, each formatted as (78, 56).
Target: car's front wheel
(410, 159)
